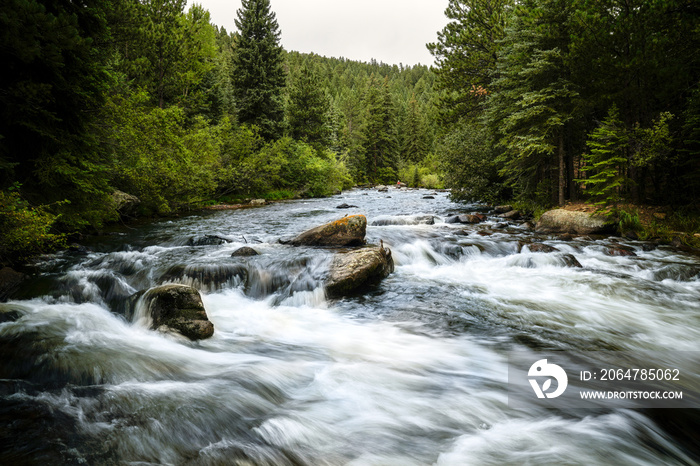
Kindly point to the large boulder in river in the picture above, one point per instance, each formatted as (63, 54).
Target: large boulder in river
(568, 221)
(124, 203)
(175, 307)
(348, 231)
(353, 271)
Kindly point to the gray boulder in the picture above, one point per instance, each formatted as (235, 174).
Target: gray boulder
(125, 204)
(175, 307)
(353, 271)
(568, 221)
(347, 231)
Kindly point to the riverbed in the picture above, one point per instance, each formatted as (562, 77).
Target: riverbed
(413, 371)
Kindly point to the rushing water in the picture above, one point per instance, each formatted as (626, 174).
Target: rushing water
(413, 372)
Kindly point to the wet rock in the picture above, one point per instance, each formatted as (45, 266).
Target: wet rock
(207, 240)
(571, 261)
(648, 247)
(10, 280)
(567, 221)
(125, 204)
(382, 189)
(481, 217)
(353, 271)
(11, 312)
(178, 308)
(511, 215)
(428, 197)
(258, 202)
(347, 231)
(245, 251)
(464, 219)
(76, 249)
(502, 209)
(484, 233)
(540, 247)
(619, 250)
(345, 206)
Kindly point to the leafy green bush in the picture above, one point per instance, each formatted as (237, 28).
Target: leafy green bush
(25, 231)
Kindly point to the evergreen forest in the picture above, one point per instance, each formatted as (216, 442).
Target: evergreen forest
(539, 101)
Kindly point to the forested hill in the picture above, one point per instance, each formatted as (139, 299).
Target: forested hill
(149, 99)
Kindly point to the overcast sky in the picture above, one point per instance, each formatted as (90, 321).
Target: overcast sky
(391, 31)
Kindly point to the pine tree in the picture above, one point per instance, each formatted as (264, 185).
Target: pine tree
(466, 54)
(533, 100)
(308, 110)
(607, 161)
(380, 137)
(258, 77)
(414, 145)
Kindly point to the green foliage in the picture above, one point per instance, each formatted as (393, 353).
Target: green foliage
(257, 74)
(25, 231)
(607, 161)
(466, 53)
(308, 111)
(158, 158)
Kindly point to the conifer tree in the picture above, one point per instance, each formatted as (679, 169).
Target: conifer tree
(607, 161)
(308, 110)
(258, 77)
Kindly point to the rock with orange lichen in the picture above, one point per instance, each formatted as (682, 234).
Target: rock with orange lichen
(347, 231)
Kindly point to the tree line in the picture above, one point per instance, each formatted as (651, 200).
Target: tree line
(145, 97)
(549, 101)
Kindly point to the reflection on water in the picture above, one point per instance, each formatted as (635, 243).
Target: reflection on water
(413, 372)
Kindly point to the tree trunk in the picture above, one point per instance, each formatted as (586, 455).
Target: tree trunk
(562, 170)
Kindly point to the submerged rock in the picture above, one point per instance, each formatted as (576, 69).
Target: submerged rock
(352, 271)
(207, 240)
(571, 261)
(620, 251)
(465, 219)
(346, 206)
(245, 251)
(347, 231)
(540, 247)
(568, 221)
(178, 308)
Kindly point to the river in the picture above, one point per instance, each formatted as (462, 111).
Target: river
(413, 372)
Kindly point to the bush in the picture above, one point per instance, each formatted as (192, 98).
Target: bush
(25, 231)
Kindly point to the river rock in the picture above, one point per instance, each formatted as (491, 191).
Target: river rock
(382, 189)
(618, 250)
(258, 202)
(428, 197)
(345, 206)
(207, 240)
(502, 209)
(348, 231)
(511, 215)
(178, 308)
(125, 204)
(571, 261)
(568, 221)
(245, 251)
(10, 280)
(540, 247)
(352, 271)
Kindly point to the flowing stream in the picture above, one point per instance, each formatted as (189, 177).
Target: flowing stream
(413, 372)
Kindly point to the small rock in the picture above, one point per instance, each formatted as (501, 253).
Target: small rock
(347, 231)
(245, 251)
(647, 247)
(258, 202)
(619, 251)
(511, 215)
(207, 240)
(428, 197)
(541, 247)
(353, 271)
(382, 189)
(571, 261)
(502, 209)
(345, 206)
(469, 219)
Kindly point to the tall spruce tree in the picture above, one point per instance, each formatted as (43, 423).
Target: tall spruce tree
(308, 111)
(258, 76)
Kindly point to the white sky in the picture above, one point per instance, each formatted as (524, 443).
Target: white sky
(390, 31)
